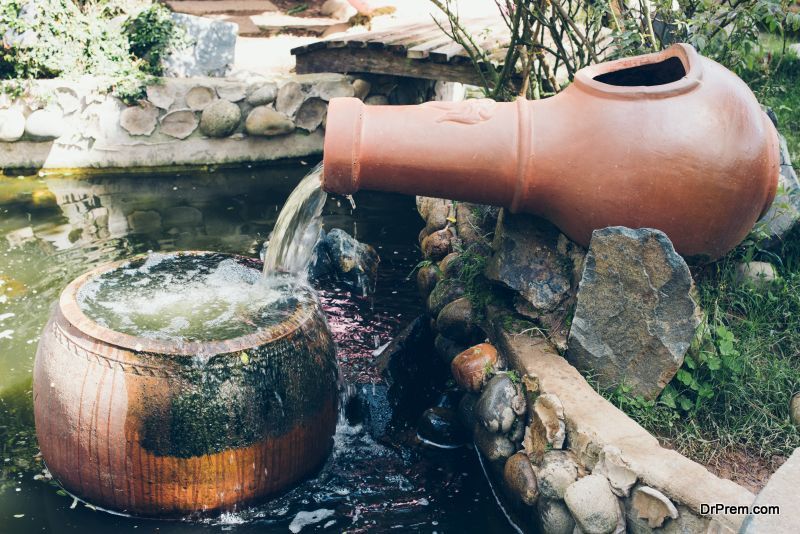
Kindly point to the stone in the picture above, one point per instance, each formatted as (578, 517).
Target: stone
(337, 9)
(444, 293)
(780, 491)
(500, 404)
(472, 367)
(160, 95)
(361, 88)
(179, 124)
(474, 223)
(265, 121)
(144, 222)
(756, 273)
(427, 278)
(653, 505)
(139, 120)
(68, 100)
(220, 119)
(447, 349)
(619, 474)
(438, 215)
(208, 49)
(12, 125)
(264, 95)
(355, 263)
(232, 91)
(520, 480)
(439, 426)
(310, 114)
(438, 244)
(200, 97)
(182, 216)
(593, 505)
(635, 317)
(458, 322)
(45, 124)
(526, 260)
(328, 89)
(451, 265)
(794, 410)
(557, 471)
(495, 447)
(466, 410)
(290, 97)
(554, 517)
(784, 213)
(547, 429)
(376, 100)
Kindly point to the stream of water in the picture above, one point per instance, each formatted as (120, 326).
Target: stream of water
(297, 230)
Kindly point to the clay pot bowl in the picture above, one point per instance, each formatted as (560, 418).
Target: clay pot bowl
(670, 140)
(135, 425)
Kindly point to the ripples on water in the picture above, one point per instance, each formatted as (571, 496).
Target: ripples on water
(377, 478)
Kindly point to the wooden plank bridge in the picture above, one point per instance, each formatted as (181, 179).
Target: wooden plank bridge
(415, 50)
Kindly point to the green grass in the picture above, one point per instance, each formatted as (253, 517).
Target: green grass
(733, 391)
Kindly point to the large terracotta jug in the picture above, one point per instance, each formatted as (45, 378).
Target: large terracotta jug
(670, 140)
(135, 425)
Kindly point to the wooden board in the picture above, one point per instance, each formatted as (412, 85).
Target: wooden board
(417, 50)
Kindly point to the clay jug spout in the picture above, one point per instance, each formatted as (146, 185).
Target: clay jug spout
(670, 140)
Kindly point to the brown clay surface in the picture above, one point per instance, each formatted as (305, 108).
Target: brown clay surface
(693, 155)
(93, 400)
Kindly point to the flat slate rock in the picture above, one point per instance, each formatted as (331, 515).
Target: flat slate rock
(635, 317)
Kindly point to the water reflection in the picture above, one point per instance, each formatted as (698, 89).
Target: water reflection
(54, 229)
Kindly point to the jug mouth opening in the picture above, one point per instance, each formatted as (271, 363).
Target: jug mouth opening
(670, 72)
(71, 310)
(650, 74)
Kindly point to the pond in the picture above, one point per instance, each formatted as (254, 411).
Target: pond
(378, 477)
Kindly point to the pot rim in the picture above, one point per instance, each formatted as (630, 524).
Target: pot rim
(692, 64)
(71, 310)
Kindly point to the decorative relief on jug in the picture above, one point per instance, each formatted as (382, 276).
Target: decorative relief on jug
(466, 112)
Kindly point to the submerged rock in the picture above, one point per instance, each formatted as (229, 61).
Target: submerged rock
(500, 404)
(635, 317)
(220, 119)
(526, 259)
(352, 262)
(472, 367)
(520, 479)
(593, 505)
(440, 427)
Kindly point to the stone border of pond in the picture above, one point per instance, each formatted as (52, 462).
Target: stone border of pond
(563, 455)
(72, 125)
